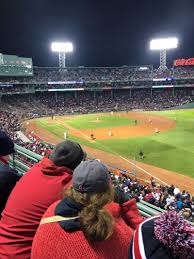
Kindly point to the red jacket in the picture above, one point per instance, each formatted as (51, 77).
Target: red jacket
(33, 194)
(51, 241)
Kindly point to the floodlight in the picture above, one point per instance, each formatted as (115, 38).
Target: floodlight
(164, 44)
(62, 48)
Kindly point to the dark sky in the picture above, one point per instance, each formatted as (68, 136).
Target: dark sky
(104, 32)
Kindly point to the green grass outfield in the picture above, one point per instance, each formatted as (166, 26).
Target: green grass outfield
(173, 150)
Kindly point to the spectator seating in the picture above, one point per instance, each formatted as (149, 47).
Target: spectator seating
(146, 209)
(20, 160)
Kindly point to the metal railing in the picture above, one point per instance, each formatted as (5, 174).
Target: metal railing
(22, 166)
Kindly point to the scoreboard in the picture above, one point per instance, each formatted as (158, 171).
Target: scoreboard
(12, 65)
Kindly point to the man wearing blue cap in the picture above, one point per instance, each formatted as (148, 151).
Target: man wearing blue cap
(8, 176)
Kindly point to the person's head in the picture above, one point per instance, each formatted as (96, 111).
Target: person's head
(166, 236)
(67, 153)
(6, 146)
(92, 188)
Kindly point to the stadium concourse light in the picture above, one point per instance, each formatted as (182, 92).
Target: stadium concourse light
(163, 45)
(62, 48)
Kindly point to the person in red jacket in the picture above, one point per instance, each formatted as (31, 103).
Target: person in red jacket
(33, 194)
(87, 223)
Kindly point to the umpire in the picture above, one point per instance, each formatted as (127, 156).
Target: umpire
(8, 176)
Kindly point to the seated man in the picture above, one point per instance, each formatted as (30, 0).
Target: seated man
(35, 192)
(8, 176)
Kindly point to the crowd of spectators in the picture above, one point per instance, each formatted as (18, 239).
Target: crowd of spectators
(38, 104)
(184, 72)
(9, 122)
(165, 197)
(100, 74)
(83, 74)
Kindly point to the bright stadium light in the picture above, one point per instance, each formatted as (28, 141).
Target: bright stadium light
(160, 44)
(163, 45)
(62, 48)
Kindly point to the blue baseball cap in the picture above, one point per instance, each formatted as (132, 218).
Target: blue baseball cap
(91, 176)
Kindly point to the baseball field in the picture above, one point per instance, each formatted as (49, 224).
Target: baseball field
(166, 139)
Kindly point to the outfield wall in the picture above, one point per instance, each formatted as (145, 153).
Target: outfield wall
(185, 106)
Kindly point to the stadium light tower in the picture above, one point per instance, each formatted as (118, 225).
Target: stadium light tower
(62, 48)
(163, 45)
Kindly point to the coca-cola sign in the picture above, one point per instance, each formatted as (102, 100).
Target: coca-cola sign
(184, 62)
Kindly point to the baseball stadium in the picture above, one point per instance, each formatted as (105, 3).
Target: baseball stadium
(114, 121)
(138, 121)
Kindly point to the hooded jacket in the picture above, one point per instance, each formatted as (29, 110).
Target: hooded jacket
(65, 239)
(33, 194)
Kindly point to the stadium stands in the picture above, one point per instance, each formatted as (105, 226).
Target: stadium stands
(45, 103)
(151, 199)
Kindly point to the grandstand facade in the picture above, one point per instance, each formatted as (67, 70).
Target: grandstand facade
(119, 88)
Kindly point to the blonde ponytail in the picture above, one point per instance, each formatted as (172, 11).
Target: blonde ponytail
(96, 222)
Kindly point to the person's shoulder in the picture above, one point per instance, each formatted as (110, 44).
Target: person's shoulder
(51, 209)
(114, 209)
(6, 168)
(7, 171)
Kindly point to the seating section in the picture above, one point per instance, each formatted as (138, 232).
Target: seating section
(151, 198)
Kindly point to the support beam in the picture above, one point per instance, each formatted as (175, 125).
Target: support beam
(62, 59)
(163, 60)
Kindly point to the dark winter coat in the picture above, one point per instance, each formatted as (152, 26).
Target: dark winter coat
(8, 179)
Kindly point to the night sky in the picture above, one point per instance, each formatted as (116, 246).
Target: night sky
(104, 32)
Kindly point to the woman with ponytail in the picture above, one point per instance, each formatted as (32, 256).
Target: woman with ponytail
(87, 223)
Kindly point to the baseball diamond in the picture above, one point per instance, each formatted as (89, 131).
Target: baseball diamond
(162, 151)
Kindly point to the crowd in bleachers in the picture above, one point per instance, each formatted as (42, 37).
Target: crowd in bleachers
(184, 72)
(38, 104)
(165, 197)
(9, 122)
(81, 74)
(101, 74)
